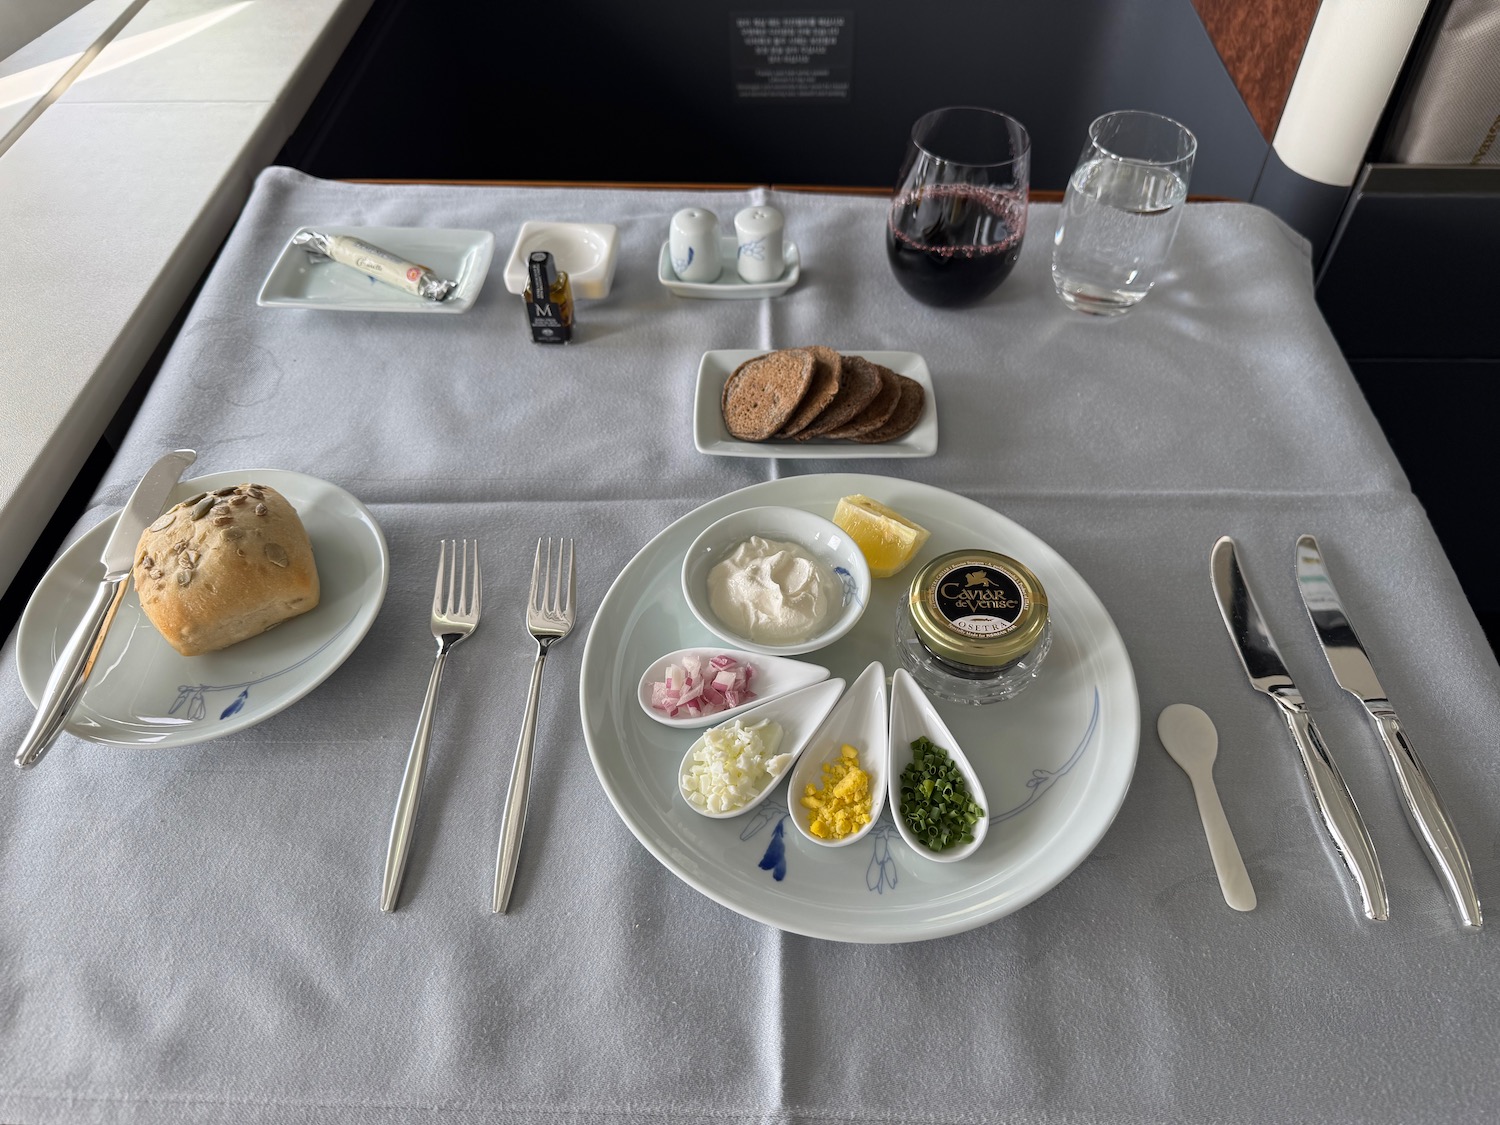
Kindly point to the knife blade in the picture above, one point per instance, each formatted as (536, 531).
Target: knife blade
(76, 661)
(1267, 672)
(1351, 666)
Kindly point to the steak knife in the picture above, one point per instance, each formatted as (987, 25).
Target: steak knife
(65, 685)
(1268, 675)
(1351, 668)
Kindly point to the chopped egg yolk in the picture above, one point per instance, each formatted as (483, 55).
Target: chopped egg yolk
(842, 806)
(733, 764)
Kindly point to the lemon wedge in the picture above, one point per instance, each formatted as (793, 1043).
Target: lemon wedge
(887, 539)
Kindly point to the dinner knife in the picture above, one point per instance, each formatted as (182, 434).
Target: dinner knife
(1268, 675)
(76, 661)
(1351, 668)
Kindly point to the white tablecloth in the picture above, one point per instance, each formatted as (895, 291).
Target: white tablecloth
(192, 934)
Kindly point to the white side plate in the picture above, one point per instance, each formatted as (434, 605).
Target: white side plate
(711, 436)
(296, 281)
(144, 693)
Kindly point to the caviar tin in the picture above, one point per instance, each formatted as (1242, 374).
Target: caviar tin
(975, 626)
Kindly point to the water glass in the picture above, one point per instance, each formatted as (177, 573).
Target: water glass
(958, 218)
(1121, 210)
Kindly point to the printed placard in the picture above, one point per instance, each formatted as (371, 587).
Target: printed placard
(792, 56)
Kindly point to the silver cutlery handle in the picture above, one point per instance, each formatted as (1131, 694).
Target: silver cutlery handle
(1229, 865)
(403, 824)
(1340, 815)
(1429, 820)
(513, 819)
(65, 685)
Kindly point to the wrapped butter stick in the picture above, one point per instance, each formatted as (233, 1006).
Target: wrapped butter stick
(374, 262)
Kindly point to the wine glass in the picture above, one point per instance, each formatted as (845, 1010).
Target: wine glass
(959, 215)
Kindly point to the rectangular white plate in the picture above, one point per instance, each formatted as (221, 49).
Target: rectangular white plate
(729, 286)
(712, 437)
(297, 281)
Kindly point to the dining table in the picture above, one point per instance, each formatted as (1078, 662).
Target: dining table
(190, 922)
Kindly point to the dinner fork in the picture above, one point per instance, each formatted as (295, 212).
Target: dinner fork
(453, 619)
(549, 618)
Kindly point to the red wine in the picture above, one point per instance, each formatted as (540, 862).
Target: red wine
(953, 244)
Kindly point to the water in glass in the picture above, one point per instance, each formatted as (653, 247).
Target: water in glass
(1117, 224)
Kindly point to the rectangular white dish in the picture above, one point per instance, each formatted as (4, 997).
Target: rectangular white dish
(711, 436)
(729, 286)
(297, 281)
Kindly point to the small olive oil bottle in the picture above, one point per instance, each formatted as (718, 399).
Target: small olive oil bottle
(549, 300)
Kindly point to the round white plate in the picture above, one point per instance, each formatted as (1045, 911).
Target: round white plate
(144, 693)
(1055, 762)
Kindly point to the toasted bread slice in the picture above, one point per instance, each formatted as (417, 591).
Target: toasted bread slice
(827, 376)
(859, 383)
(881, 407)
(904, 418)
(761, 394)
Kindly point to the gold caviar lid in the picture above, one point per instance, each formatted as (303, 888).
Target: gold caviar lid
(977, 607)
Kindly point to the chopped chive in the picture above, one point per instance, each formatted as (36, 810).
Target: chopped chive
(935, 801)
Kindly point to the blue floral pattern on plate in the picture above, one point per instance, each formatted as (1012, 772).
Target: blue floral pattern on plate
(192, 698)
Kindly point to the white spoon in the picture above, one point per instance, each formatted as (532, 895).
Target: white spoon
(1190, 737)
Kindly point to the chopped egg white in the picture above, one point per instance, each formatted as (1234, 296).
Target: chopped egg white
(732, 764)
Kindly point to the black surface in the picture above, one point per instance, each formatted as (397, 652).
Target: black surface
(1407, 289)
(1413, 271)
(645, 93)
(1439, 418)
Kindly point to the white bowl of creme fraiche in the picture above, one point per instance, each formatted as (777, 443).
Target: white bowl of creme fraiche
(776, 581)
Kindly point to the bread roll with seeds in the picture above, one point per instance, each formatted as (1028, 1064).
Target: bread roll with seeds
(224, 566)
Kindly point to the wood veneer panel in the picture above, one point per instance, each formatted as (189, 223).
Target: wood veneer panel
(1261, 44)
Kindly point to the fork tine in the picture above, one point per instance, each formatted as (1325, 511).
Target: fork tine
(547, 583)
(536, 573)
(453, 565)
(437, 593)
(477, 593)
(470, 548)
(567, 607)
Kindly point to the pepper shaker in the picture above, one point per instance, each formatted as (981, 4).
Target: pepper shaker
(761, 257)
(694, 245)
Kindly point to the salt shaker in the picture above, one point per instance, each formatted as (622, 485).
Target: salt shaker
(694, 245)
(759, 233)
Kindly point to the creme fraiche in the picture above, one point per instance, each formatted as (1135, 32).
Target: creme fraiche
(773, 591)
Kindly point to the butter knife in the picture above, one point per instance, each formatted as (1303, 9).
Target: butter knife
(1268, 675)
(65, 685)
(1351, 668)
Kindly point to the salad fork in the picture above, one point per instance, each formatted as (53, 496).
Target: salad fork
(549, 618)
(453, 619)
